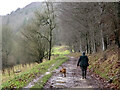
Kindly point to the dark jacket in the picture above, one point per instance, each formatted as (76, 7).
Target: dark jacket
(83, 61)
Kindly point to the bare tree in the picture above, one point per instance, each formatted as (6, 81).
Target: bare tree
(88, 26)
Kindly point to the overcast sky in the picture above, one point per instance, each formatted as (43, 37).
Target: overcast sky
(6, 6)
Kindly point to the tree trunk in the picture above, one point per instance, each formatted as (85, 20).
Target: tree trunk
(101, 5)
(118, 36)
(80, 46)
(94, 43)
(50, 42)
(8, 72)
(102, 38)
(90, 49)
(3, 71)
(87, 47)
(105, 42)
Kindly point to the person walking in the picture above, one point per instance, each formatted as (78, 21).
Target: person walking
(83, 63)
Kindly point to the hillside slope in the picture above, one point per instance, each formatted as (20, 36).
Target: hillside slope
(21, 16)
(105, 65)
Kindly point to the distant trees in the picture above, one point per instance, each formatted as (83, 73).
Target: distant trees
(40, 33)
(7, 43)
(33, 42)
(7, 46)
(86, 27)
(89, 26)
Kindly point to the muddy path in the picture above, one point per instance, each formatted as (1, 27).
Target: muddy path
(32, 83)
(73, 77)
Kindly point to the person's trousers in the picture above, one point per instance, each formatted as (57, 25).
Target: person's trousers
(84, 71)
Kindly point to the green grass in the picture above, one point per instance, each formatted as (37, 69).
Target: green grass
(25, 77)
(101, 74)
(57, 50)
(61, 53)
(42, 81)
(6, 77)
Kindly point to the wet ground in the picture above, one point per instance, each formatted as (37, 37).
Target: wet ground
(73, 77)
(32, 83)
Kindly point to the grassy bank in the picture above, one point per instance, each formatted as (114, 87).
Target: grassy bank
(104, 64)
(24, 78)
(21, 68)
